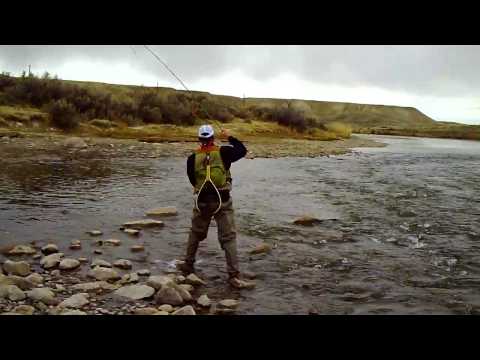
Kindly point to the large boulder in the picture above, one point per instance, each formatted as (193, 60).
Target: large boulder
(168, 295)
(51, 261)
(11, 292)
(135, 292)
(22, 250)
(69, 264)
(157, 281)
(44, 295)
(103, 274)
(20, 268)
(35, 279)
(21, 282)
(76, 301)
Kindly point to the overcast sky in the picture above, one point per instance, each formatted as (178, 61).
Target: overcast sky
(441, 81)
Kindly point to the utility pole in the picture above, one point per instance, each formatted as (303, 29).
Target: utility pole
(29, 70)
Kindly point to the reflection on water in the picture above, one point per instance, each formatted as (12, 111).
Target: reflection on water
(400, 231)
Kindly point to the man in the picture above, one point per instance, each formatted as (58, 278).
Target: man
(208, 170)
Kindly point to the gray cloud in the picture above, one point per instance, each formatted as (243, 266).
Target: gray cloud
(421, 70)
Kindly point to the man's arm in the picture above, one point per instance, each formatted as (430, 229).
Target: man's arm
(191, 169)
(237, 150)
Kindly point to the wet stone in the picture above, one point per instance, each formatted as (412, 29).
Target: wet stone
(20, 268)
(49, 249)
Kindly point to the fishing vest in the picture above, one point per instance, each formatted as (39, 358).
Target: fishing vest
(218, 175)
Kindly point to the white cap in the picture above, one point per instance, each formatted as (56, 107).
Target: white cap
(205, 131)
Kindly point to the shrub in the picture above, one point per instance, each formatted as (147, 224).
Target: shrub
(63, 114)
(342, 130)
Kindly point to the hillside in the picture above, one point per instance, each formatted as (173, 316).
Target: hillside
(32, 101)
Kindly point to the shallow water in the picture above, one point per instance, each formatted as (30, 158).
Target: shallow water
(400, 233)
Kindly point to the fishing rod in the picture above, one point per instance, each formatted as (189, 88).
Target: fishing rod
(155, 55)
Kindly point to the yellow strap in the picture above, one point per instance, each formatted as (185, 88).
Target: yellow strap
(207, 178)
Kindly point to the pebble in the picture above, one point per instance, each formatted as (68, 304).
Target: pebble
(75, 245)
(137, 248)
(261, 249)
(140, 224)
(51, 261)
(158, 281)
(98, 251)
(24, 310)
(132, 232)
(75, 301)
(114, 242)
(22, 250)
(166, 307)
(103, 274)
(143, 272)
(229, 303)
(95, 232)
(168, 295)
(100, 262)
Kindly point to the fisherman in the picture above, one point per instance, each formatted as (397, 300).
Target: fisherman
(208, 170)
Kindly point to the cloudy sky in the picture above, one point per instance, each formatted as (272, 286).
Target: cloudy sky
(441, 81)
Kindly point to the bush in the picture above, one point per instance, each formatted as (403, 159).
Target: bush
(63, 114)
(342, 130)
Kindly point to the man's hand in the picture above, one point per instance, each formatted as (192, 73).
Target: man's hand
(224, 134)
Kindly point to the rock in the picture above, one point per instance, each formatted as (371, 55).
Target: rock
(95, 232)
(187, 287)
(204, 301)
(307, 221)
(100, 262)
(101, 123)
(261, 249)
(183, 293)
(75, 143)
(75, 245)
(51, 261)
(11, 292)
(103, 274)
(129, 278)
(146, 311)
(24, 310)
(143, 272)
(59, 287)
(142, 224)
(21, 282)
(157, 281)
(180, 279)
(21, 268)
(135, 292)
(132, 232)
(249, 275)
(161, 313)
(114, 242)
(55, 273)
(44, 295)
(168, 295)
(50, 249)
(35, 278)
(83, 260)
(186, 310)
(123, 264)
(166, 308)
(37, 256)
(22, 250)
(193, 279)
(69, 264)
(5, 280)
(137, 248)
(76, 301)
(229, 303)
(73, 312)
(164, 211)
(94, 286)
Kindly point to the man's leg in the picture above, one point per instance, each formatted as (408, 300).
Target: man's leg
(227, 237)
(198, 232)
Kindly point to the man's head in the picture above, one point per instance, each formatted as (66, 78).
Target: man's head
(205, 134)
